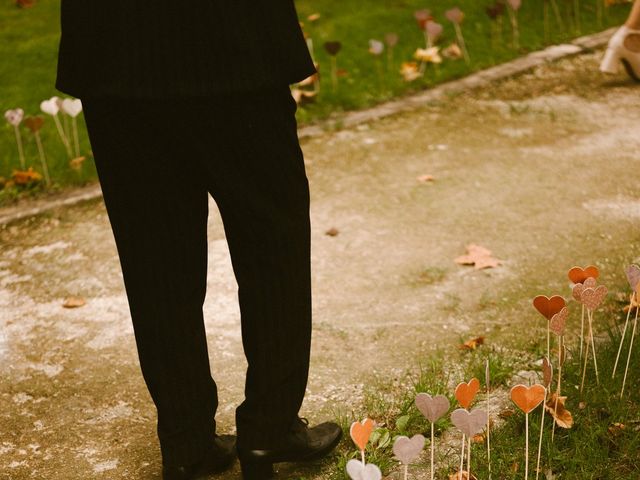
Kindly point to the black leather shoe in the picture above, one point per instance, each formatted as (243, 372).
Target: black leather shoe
(303, 444)
(217, 460)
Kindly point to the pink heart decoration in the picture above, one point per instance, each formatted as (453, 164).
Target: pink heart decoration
(433, 408)
(454, 15)
(408, 449)
(578, 288)
(358, 471)
(376, 47)
(558, 322)
(469, 423)
(72, 107)
(593, 297)
(50, 107)
(15, 116)
(633, 276)
(434, 30)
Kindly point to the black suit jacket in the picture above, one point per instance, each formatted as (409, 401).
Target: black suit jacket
(160, 48)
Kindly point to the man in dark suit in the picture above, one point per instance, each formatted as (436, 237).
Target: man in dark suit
(183, 100)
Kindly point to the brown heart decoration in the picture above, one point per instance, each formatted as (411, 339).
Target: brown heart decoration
(332, 48)
(549, 306)
(593, 297)
(558, 322)
(34, 123)
(528, 398)
(579, 275)
(466, 392)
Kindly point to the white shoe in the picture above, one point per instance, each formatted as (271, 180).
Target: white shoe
(617, 53)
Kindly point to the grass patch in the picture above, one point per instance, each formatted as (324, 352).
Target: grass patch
(30, 42)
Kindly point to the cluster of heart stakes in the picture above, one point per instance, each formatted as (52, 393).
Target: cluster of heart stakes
(590, 295)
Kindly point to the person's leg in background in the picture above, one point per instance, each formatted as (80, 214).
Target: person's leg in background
(158, 208)
(624, 46)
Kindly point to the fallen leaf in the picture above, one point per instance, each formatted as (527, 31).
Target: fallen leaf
(332, 232)
(452, 51)
(479, 438)
(426, 178)
(472, 344)
(478, 256)
(24, 177)
(73, 302)
(428, 55)
(582, 405)
(615, 429)
(462, 475)
(562, 416)
(76, 163)
(314, 17)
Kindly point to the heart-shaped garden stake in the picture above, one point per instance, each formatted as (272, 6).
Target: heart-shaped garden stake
(470, 424)
(527, 399)
(407, 450)
(360, 433)
(52, 107)
(593, 297)
(35, 124)
(548, 307)
(434, 31)
(579, 275)
(332, 49)
(466, 392)
(547, 378)
(558, 322)
(576, 292)
(633, 276)
(73, 107)
(359, 471)
(433, 408)
(14, 117)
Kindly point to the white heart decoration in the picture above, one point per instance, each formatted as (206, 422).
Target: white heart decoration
(72, 106)
(433, 408)
(358, 471)
(14, 117)
(50, 107)
(408, 449)
(469, 423)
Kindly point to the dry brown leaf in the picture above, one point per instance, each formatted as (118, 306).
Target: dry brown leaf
(582, 405)
(506, 413)
(425, 178)
(462, 475)
(76, 163)
(332, 232)
(313, 17)
(478, 256)
(480, 438)
(410, 71)
(615, 429)
(562, 416)
(472, 344)
(452, 51)
(24, 177)
(73, 302)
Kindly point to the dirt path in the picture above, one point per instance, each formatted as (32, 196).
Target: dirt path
(542, 169)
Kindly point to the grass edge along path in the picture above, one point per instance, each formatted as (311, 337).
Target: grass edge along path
(37, 201)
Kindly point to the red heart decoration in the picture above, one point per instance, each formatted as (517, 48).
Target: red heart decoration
(549, 306)
(579, 275)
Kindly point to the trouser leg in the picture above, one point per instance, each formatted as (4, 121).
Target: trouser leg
(257, 177)
(158, 207)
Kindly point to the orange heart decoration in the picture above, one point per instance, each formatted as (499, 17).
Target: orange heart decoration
(466, 392)
(579, 275)
(549, 306)
(528, 398)
(361, 431)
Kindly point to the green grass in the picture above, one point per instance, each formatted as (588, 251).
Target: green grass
(594, 448)
(30, 42)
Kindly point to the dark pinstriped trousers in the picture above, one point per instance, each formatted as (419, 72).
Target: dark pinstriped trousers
(157, 162)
